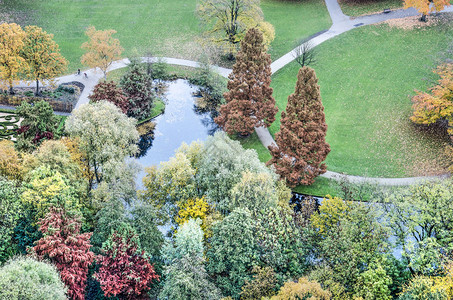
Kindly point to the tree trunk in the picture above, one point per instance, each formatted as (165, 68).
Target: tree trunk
(423, 18)
(37, 87)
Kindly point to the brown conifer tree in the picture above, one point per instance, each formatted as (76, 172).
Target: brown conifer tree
(249, 101)
(301, 143)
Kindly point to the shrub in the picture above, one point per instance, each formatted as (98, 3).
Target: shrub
(26, 278)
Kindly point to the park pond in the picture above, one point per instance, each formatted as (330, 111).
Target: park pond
(181, 122)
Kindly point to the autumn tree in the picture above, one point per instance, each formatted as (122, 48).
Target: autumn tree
(249, 101)
(11, 62)
(436, 106)
(102, 49)
(426, 6)
(302, 289)
(124, 269)
(10, 161)
(137, 85)
(301, 143)
(110, 92)
(42, 55)
(227, 21)
(67, 249)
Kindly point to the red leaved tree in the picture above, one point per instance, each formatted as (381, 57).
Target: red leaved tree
(301, 143)
(124, 269)
(109, 91)
(249, 101)
(65, 247)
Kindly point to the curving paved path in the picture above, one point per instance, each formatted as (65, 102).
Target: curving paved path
(340, 24)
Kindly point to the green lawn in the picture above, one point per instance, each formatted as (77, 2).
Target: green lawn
(355, 8)
(367, 77)
(294, 20)
(166, 28)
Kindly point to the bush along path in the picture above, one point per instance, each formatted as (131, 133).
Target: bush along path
(340, 24)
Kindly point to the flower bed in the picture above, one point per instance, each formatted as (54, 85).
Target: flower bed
(62, 99)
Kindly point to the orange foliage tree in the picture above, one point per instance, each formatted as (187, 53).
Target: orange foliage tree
(11, 63)
(42, 56)
(102, 49)
(426, 6)
(301, 142)
(249, 101)
(437, 105)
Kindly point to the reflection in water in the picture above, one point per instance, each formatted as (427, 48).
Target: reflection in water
(180, 123)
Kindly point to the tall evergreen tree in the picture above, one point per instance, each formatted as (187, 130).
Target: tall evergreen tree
(138, 87)
(249, 101)
(301, 143)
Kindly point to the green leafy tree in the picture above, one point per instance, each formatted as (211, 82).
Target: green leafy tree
(10, 212)
(301, 143)
(233, 252)
(172, 181)
(143, 220)
(374, 284)
(42, 55)
(227, 21)
(186, 278)
(188, 242)
(424, 213)
(257, 192)
(137, 84)
(249, 100)
(348, 246)
(39, 123)
(185, 275)
(285, 244)
(26, 278)
(221, 167)
(106, 135)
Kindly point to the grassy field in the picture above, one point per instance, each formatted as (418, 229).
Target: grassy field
(294, 20)
(366, 89)
(165, 28)
(356, 8)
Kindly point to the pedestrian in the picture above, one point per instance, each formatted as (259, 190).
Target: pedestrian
(85, 74)
(78, 71)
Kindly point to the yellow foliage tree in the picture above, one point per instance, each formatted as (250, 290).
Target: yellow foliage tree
(79, 157)
(228, 21)
(10, 163)
(302, 289)
(42, 55)
(331, 211)
(426, 6)
(11, 63)
(197, 208)
(102, 49)
(47, 189)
